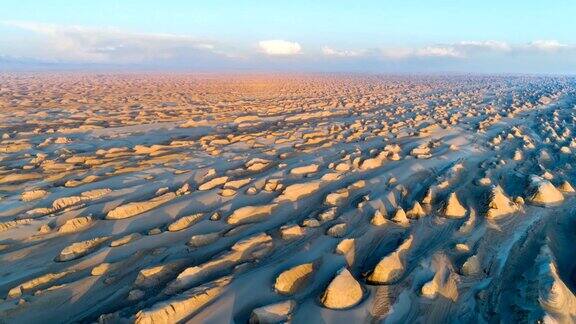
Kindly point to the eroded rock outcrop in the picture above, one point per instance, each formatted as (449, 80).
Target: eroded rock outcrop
(183, 305)
(344, 291)
(543, 193)
(250, 214)
(499, 204)
(289, 281)
(392, 266)
(275, 313)
(80, 249)
(453, 208)
(135, 208)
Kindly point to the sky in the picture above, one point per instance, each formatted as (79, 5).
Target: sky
(380, 36)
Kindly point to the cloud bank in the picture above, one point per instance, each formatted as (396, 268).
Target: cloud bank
(98, 45)
(102, 45)
(460, 50)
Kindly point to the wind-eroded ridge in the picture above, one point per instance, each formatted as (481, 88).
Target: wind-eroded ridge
(306, 198)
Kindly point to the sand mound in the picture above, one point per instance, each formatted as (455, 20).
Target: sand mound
(331, 176)
(345, 246)
(257, 164)
(557, 300)
(471, 266)
(95, 194)
(337, 230)
(275, 313)
(14, 223)
(566, 187)
(36, 283)
(65, 202)
(126, 239)
(299, 190)
(228, 192)
(421, 152)
(272, 185)
(485, 181)
(252, 242)
(18, 177)
(462, 248)
(368, 164)
(328, 214)
(184, 222)
(499, 204)
(248, 249)
(80, 249)
(288, 232)
(75, 224)
(344, 291)
(416, 211)
(310, 222)
(249, 214)
(305, 169)
(378, 219)
(101, 269)
(247, 118)
(400, 217)
(428, 197)
(543, 193)
(14, 147)
(391, 267)
(213, 183)
(444, 282)
(76, 183)
(33, 195)
(135, 208)
(150, 277)
(453, 208)
(237, 184)
(183, 190)
(337, 198)
(342, 167)
(178, 308)
(289, 281)
(203, 239)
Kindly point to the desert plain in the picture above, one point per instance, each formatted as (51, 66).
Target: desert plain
(165, 198)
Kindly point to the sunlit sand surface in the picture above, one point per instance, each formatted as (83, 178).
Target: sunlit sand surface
(260, 198)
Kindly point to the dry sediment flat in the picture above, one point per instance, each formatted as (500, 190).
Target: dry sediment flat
(346, 199)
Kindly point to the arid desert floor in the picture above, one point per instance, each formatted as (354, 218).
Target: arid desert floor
(163, 198)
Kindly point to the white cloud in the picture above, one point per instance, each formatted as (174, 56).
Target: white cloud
(279, 47)
(459, 50)
(547, 45)
(110, 45)
(489, 45)
(328, 51)
(396, 53)
(438, 51)
(463, 49)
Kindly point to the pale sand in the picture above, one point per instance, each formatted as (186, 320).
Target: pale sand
(335, 199)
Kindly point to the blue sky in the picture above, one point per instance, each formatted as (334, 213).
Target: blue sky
(380, 36)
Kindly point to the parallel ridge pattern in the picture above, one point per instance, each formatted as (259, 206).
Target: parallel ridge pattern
(180, 198)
